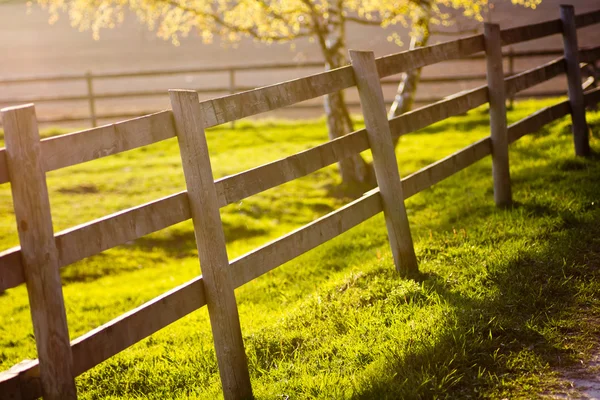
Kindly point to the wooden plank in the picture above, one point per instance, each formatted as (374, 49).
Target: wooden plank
(534, 76)
(22, 381)
(3, 167)
(425, 116)
(530, 32)
(82, 241)
(589, 55)
(210, 241)
(579, 124)
(586, 19)
(384, 161)
(38, 251)
(262, 260)
(537, 120)
(91, 238)
(11, 269)
(423, 56)
(446, 167)
(78, 147)
(498, 125)
(241, 105)
(592, 97)
(237, 187)
(268, 257)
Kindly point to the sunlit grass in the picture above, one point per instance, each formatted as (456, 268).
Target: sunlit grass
(503, 296)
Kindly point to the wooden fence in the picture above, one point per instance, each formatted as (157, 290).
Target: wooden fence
(42, 253)
(91, 96)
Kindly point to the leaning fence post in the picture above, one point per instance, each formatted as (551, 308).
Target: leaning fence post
(38, 252)
(384, 161)
(576, 100)
(498, 125)
(91, 99)
(210, 241)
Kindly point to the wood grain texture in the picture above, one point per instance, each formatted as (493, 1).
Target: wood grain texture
(91, 238)
(446, 167)
(537, 120)
(38, 251)
(262, 260)
(23, 380)
(579, 125)
(119, 228)
(3, 167)
(78, 147)
(11, 268)
(530, 32)
(534, 76)
(210, 241)
(428, 115)
(587, 19)
(498, 124)
(421, 57)
(234, 188)
(384, 161)
(241, 105)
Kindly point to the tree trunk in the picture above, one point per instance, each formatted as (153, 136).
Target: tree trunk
(407, 88)
(355, 172)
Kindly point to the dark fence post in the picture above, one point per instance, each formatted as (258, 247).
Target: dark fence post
(91, 99)
(579, 124)
(498, 125)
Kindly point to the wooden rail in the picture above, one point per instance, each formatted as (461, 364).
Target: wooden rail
(29, 380)
(92, 96)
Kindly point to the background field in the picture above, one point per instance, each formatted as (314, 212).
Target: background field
(504, 297)
(30, 46)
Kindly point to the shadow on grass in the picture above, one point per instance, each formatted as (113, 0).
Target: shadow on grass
(535, 319)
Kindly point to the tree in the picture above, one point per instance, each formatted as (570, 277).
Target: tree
(270, 21)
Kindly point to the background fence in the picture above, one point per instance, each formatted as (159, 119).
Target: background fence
(82, 97)
(42, 253)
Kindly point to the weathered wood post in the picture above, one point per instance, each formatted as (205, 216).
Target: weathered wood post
(498, 125)
(38, 252)
(232, 90)
(384, 161)
(210, 241)
(579, 124)
(91, 99)
(511, 72)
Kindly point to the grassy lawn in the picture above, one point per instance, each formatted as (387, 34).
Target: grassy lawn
(505, 296)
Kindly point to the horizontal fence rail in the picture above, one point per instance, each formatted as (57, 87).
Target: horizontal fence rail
(25, 380)
(463, 49)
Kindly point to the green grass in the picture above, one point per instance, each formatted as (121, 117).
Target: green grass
(505, 296)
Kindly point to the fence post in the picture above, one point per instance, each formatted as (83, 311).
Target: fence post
(579, 124)
(384, 161)
(91, 99)
(38, 251)
(210, 241)
(232, 90)
(511, 72)
(498, 125)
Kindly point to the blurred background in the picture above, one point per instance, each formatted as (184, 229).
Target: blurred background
(129, 70)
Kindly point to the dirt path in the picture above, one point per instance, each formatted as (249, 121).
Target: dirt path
(581, 382)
